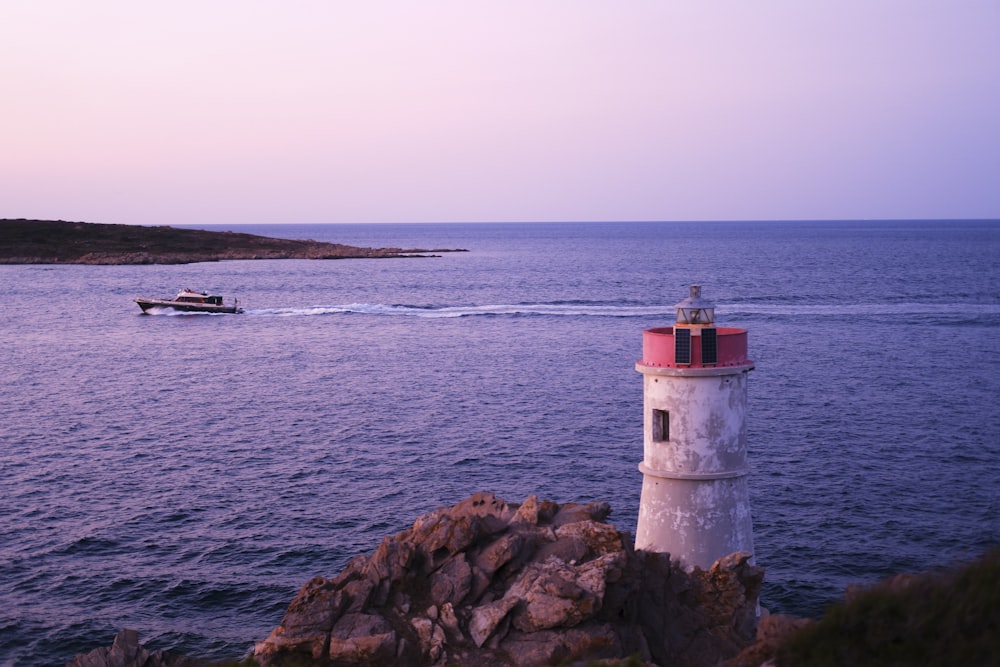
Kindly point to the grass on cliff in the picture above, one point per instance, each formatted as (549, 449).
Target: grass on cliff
(950, 618)
(60, 242)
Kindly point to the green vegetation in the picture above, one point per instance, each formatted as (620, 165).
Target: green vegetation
(946, 619)
(59, 242)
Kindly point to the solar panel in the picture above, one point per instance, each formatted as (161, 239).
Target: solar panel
(682, 346)
(709, 346)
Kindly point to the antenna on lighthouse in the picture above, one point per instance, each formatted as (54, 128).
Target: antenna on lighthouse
(695, 502)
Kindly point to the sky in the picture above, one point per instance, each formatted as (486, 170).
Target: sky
(311, 111)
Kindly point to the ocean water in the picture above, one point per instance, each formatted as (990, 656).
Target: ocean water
(184, 475)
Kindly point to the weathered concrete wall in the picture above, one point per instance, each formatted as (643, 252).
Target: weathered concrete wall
(707, 431)
(695, 502)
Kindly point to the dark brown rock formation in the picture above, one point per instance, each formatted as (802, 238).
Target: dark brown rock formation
(488, 583)
(491, 583)
(126, 652)
(58, 242)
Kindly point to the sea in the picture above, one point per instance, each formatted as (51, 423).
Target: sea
(185, 475)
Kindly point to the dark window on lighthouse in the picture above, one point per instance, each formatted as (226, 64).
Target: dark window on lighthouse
(661, 425)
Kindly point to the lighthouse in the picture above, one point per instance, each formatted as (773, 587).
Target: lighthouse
(695, 503)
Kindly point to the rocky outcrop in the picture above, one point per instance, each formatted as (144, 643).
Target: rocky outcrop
(488, 582)
(58, 242)
(127, 652)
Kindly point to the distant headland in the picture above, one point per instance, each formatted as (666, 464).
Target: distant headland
(60, 242)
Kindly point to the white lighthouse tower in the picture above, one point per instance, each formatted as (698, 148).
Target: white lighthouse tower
(695, 503)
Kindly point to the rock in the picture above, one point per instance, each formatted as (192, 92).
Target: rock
(432, 638)
(485, 618)
(585, 643)
(573, 513)
(651, 611)
(362, 639)
(126, 651)
(449, 621)
(497, 553)
(314, 609)
(452, 581)
(487, 582)
(558, 594)
(772, 631)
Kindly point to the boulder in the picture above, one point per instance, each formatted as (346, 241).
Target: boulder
(362, 639)
(125, 651)
(568, 590)
(488, 582)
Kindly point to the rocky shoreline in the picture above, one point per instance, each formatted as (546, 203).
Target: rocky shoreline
(59, 242)
(487, 582)
(491, 583)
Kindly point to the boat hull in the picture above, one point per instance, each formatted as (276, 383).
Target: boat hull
(186, 306)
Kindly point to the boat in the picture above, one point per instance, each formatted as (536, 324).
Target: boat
(189, 301)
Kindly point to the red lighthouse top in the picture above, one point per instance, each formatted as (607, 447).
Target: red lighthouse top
(694, 342)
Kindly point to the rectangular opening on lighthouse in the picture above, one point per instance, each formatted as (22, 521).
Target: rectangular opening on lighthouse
(661, 425)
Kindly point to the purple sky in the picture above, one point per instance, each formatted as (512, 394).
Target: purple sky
(249, 111)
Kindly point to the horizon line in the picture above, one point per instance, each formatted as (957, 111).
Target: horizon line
(526, 222)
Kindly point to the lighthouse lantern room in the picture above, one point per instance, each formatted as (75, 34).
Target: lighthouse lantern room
(695, 501)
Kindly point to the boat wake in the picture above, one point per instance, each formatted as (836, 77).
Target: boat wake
(933, 313)
(576, 309)
(928, 313)
(167, 311)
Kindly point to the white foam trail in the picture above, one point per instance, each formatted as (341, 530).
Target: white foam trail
(557, 309)
(861, 309)
(166, 311)
(726, 312)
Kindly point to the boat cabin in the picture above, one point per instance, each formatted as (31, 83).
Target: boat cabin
(190, 296)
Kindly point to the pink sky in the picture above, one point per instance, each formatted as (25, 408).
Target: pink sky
(249, 111)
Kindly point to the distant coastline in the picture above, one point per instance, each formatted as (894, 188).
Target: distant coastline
(59, 242)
